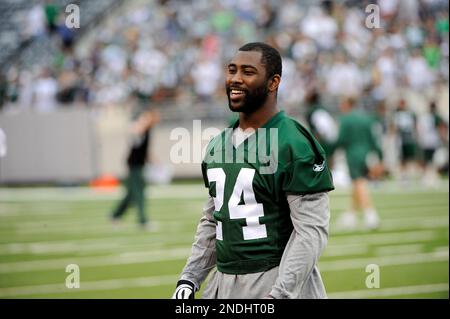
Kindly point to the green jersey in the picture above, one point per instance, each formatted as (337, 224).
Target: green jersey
(359, 136)
(249, 183)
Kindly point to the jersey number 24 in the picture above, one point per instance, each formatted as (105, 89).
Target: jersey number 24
(251, 210)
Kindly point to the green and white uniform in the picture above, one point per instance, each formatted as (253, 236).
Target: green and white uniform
(249, 223)
(405, 123)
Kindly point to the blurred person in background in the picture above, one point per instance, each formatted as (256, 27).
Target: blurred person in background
(358, 139)
(405, 127)
(137, 157)
(44, 92)
(431, 131)
(321, 123)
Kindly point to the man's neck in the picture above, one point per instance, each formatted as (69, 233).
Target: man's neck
(257, 119)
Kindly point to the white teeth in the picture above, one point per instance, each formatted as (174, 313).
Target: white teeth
(236, 91)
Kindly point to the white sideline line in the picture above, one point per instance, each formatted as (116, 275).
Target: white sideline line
(403, 223)
(345, 250)
(87, 194)
(90, 244)
(398, 249)
(389, 292)
(166, 191)
(101, 228)
(385, 238)
(361, 263)
(90, 286)
(82, 226)
(99, 246)
(171, 279)
(182, 253)
(122, 259)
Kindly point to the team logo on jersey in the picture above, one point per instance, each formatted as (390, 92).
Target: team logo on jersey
(319, 168)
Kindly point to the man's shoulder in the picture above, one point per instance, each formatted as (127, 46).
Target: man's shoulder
(295, 141)
(291, 131)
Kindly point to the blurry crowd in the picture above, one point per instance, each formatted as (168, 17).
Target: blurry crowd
(172, 53)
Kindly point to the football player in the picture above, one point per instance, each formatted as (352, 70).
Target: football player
(265, 223)
(359, 137)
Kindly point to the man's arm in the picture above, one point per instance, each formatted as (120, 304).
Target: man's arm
(203, 255)
(145, 121)
(310, 216)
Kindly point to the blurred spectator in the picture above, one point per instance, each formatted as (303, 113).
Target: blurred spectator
(431, 128)
(405, 126)
(344, 78)
(321, 123)
(321, 27)
(44, 93)
(35, 23)
(207, 76)
(418, 74)
(51, 13)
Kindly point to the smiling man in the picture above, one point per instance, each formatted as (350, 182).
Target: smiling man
(264, 229)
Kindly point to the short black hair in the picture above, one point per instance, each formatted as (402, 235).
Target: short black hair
(270, 57)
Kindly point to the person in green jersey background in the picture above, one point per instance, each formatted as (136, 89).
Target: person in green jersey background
(265, 222)
(359, 139)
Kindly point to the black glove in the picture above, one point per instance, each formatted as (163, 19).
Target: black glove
(185, 290)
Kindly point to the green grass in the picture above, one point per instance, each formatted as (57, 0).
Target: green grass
(44, 230)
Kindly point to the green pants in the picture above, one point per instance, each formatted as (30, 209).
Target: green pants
(135, 194)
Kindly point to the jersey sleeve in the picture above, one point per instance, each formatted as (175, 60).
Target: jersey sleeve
(305, 176)
(306, 170)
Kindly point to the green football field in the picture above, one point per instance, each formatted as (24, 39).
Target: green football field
(44, 230)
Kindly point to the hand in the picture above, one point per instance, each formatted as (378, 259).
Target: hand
(376, 171)
(185, 290)
(156, 117)
(150, 118)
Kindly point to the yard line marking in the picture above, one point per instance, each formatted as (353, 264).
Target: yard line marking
(94, 261)
(102, 227)
(87, 194)
(99, 223)
(187, 237)
(398, 249)
(388, 292)
(385, 238)
(182, 253)
(345, 250)
(167, 191)
(403, 223)
(154, 281)
(396, 260)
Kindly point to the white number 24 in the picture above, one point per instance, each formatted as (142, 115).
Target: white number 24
(251, 211)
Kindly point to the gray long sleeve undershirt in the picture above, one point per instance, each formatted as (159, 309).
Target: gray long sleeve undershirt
(310, 216)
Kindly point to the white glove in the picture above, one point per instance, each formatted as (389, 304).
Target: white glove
(185, 290)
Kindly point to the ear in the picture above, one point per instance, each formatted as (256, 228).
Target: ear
(274, 82)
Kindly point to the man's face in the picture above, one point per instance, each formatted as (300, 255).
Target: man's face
(246, 84)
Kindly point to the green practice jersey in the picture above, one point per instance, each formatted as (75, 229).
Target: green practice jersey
(249, 183)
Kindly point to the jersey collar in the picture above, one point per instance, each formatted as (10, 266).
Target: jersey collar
(271, 122)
